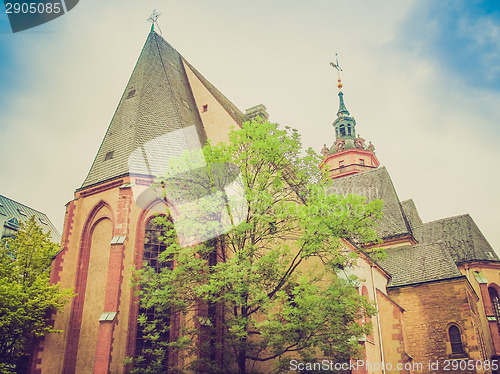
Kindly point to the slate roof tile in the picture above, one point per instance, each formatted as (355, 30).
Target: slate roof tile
(460, 236)
(418, 264)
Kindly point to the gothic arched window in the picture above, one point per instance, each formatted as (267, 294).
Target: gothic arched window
(455, 340)
(495, 303)
(153, 247)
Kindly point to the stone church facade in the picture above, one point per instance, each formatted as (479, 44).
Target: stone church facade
(436, 292)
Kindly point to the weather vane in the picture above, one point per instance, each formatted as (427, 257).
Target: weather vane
(339, 69)
(153, 18)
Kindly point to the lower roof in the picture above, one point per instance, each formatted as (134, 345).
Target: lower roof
(420, 263)
(442, 245)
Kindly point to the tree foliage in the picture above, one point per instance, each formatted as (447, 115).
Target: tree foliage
(271, 286)
(26, 295)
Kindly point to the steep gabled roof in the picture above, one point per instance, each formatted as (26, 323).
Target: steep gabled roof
(460, 236)
(11, 210)
(156, 118)
(376, 184)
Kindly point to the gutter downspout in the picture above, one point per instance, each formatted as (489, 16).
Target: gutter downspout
(378, 320)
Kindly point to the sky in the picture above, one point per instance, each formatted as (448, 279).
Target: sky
(422, 79)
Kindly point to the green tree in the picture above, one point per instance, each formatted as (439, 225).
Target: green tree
(26, 295)
(269, 287)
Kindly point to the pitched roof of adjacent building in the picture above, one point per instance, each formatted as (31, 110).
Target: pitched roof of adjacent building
(443, 245)
(12, 213)
(460, 236)
(156, 118)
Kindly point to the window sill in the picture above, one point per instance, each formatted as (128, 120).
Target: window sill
(458, 356)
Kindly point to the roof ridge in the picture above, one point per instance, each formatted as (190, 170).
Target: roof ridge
(113, 117)
(404, 201)
(36, 210)
(176, 108)
(371, 171)
(446, 218)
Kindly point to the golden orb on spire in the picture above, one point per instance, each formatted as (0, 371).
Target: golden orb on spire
(339, 69)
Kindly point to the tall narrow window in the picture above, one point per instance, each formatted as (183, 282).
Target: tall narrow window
(342, 130)
(495, 303)
(455, 340)
(153, 247)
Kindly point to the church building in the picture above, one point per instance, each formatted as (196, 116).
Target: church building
(106, 233)
(436, 292)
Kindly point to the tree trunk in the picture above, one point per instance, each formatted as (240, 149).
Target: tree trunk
(242, 359)
(212, 310)
(242, 352)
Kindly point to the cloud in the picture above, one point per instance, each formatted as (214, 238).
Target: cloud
(462, 36)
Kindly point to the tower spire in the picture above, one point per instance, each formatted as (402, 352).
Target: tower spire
(348, 154)
(342, 108)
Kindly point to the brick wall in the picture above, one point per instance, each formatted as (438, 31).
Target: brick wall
(430, 309)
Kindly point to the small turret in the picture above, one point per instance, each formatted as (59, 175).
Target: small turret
(345, 125)
(348, 154)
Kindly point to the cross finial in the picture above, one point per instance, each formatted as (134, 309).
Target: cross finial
(339, 69)
(153, 18)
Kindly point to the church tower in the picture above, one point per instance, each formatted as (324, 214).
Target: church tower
(167, 107)
(348, 155)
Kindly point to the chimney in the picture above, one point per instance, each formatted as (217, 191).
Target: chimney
(257, 111)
